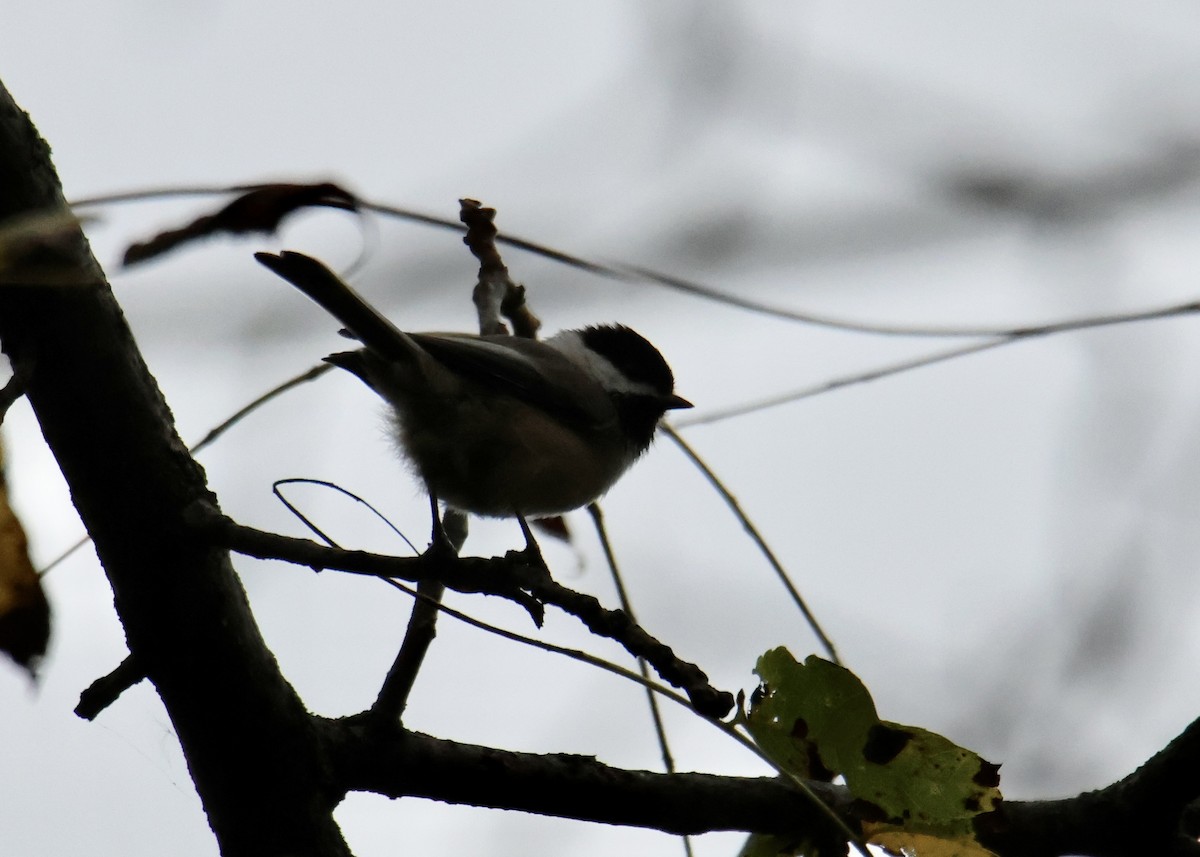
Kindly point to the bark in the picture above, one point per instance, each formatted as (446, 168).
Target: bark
(246, 735)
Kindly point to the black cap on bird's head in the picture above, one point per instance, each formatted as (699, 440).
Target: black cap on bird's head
(636, 378)
(635, 358)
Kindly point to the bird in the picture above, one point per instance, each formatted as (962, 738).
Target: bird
(495, 425)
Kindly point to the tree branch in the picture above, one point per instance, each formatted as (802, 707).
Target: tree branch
(448, 536)
(1140, 814)
(509, 576)
(397, 763)
(246, 736)
(1144, 813)
(105, 690)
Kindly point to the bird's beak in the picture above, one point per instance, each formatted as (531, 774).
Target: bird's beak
(676, 403)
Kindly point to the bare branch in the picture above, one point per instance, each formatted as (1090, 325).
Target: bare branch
(105, 690)
(496, 293)
(397, 763)
(757, 537)
(422, 622)
(1136, 816)
(510, 576)
(1144, 813)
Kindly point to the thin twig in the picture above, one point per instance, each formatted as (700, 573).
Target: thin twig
(626, 605)
(418, 637)
(634, 274)
(837, 383)
(333, 486)
(660, 729)
(422, 622)
(754, 534)
(732, 729)
(297, 514)
(998, 338)
(510, 577)
(240, 414)
(105, 690)
(222, 427)
(64, 556)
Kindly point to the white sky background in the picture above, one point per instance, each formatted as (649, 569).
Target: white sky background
(1003, 547)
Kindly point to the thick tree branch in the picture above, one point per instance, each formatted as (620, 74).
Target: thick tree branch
(247, 737)
(1144, 813)
(1138, 815)
(397, 763)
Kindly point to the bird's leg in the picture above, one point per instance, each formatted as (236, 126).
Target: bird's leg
(439, 541)
(532, 553)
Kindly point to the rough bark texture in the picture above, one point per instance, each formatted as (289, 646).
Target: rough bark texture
(246, 735)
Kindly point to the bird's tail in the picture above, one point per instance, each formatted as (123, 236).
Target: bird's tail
(357, 363)
(343, 303)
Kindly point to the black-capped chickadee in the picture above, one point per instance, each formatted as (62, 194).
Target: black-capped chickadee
(502, 426)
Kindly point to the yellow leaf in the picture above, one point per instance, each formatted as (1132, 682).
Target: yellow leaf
(923, 845)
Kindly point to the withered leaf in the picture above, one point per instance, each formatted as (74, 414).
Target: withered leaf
(24, 610)
(260, 209)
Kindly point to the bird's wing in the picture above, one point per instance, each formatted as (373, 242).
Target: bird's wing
(526, 369)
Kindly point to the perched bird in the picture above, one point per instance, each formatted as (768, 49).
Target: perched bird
(502, 426)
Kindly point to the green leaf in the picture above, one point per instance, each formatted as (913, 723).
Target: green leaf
(808, 717)
(817, 720)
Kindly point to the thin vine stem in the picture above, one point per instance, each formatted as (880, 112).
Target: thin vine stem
(732, 728)
(635, 274)
(754, 533)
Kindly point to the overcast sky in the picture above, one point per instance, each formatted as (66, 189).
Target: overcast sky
(1004, 547)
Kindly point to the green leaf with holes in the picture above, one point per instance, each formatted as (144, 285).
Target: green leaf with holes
(919, 791)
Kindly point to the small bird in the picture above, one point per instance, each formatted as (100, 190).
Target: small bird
(502, 426)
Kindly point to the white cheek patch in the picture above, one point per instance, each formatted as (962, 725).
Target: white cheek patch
(571, 345)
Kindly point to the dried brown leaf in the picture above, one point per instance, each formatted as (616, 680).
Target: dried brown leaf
(260, 209)
(24, 610)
